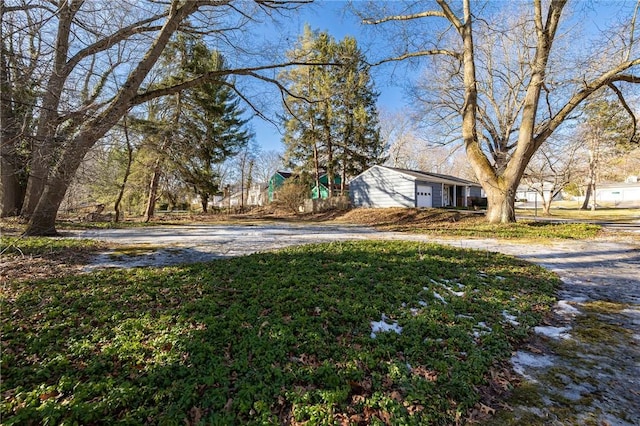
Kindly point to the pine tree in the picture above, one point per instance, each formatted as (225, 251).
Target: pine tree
(331, 120)
(205, 123)
(360, 144)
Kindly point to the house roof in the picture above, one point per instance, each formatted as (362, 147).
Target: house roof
(433, 177)
(284, 174)
(611, 185)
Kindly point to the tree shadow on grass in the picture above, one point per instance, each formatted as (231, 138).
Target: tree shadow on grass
(269, 338)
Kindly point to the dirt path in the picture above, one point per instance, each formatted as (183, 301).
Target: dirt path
(582, 368)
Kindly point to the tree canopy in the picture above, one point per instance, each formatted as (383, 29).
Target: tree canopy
(89, 64)
(331, 119)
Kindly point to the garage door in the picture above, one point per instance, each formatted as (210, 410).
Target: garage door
(423, 196)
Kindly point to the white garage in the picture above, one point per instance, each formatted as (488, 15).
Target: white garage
(424, 198)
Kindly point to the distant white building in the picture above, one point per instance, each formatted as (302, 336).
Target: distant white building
(255, 196)
(619, 194)
(532, 193)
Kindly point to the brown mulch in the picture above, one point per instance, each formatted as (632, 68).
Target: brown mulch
(406, 218)
(54, 265)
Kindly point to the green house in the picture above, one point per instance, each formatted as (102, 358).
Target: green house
(324, 187)
(277, 180)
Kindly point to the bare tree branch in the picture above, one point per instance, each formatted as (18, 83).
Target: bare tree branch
(370, 21)
(451, 17)
(113, 39)
(213, 75)
(613, 75)
(627, 108)
(418, 54)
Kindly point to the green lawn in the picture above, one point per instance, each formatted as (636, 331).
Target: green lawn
(574, 213)
(269, 338)
(523, 229)
(42, 246)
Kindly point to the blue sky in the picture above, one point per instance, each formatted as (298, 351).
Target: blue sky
(331, 16)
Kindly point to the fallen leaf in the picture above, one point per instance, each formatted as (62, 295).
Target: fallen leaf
(48, 395)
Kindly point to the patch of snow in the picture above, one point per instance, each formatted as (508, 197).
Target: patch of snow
(422, 303)
(439, 297)
(553, 332)
(484, 325)
(452, 291)
(563, 307)
(483, 329)
(523, 359)
(447, 287)
(576, 391)
(383, 326)
(511, 319)
(566, 280)
(464, 316)
(573, 298)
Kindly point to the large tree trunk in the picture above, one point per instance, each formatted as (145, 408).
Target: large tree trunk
(43, 220)
(11, 192)
(546, 205)
(587, 197)
(501, 207)
(204, 201)
(47, 142)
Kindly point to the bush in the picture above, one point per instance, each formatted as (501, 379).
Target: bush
(291, 196)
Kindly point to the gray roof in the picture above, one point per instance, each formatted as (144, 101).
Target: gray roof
(420, 175)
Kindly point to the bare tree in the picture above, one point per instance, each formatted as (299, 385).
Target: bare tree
(20, 75)
(551, 169)
(398, 131)
(502, 81)
(267, 163)
(97, 60)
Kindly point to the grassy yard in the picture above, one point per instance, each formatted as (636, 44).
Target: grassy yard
(601, 214)
(366, 332)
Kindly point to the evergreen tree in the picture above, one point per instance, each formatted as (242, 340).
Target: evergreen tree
(331, 120)
(357, 116)
(211, 125)
(197, 128)
(302, 117)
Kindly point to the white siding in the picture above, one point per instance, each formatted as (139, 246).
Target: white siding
(618, 194)
(381, 187)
